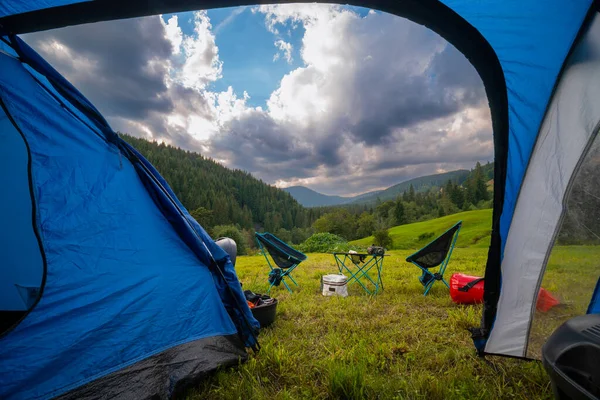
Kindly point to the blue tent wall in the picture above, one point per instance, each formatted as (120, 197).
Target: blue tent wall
(22, 6)
(121, 285)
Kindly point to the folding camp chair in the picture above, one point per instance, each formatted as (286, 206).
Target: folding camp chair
(285, 257)
(436, 253)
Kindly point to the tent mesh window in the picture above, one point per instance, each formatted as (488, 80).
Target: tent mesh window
(573, 267)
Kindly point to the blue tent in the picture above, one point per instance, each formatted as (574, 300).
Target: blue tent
(125, 292)
(124, 270)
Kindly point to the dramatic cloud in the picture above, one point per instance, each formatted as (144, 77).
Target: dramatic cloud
(285, 49)
(378, 99)
(144, 75)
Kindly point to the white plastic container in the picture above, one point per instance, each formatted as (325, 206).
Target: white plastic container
(334, 285)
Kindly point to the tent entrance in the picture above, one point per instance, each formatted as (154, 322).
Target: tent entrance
(22, 267)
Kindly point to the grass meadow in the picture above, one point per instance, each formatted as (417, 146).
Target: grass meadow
(475, 231)
(396, 345)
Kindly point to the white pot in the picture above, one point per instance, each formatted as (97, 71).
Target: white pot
(334, 285)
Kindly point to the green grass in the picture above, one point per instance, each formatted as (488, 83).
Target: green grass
(475, 231)
(398, 344)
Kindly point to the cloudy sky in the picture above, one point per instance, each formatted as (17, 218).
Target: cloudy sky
(340, 99)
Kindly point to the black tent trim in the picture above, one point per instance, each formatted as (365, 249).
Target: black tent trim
(165, 375)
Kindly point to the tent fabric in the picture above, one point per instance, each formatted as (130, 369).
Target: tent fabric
(125, 280)
(22, 6)
(224, 275)
(567, 131)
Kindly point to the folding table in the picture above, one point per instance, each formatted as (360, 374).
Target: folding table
(358, 265)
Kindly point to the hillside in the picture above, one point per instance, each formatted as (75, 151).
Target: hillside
(475, 231)
(420, 184)
(221, 195)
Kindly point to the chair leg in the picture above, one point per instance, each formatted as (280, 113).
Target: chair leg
(286, 285)
(290, 276)
(428, 287)
(445, 283)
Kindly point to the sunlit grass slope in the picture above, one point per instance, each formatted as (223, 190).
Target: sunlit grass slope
(475, 231)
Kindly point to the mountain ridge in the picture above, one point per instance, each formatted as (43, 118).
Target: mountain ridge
(308, 197)
(311, 198)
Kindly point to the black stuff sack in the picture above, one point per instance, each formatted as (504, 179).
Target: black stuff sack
(375, 250)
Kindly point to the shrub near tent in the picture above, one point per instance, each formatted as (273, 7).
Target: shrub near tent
(381, 237)
(325, 243)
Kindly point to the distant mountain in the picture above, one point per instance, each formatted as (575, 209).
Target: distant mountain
(310, 198)
(358, 198)
(421, 184)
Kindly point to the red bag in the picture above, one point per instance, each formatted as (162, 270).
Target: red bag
(467, 289)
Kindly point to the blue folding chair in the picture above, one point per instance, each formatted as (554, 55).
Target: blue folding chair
(285, 257)
(436, 253)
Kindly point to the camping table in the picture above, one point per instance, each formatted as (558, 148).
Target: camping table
(359, 270)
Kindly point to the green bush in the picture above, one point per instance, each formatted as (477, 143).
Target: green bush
(325, 243)
(231, 231)
(383, 238)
